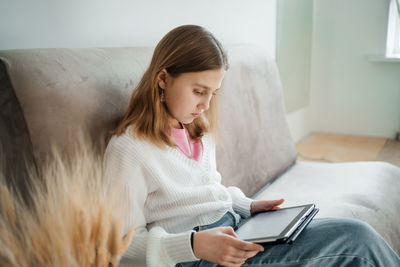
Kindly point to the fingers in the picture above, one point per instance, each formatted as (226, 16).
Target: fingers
(239, 257)
(277, 202)
(265, 205)
(247, 246)
(234, 260)
(240, 254)
(272, 204)
(243, 249)
(240, 244)
(233, 252)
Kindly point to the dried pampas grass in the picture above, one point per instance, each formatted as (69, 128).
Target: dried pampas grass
(74, 218)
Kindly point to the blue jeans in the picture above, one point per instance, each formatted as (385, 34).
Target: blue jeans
(324, 242)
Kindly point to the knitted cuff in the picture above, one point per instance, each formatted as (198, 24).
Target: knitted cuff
(242, 206)
(179, 248)
(240, 203)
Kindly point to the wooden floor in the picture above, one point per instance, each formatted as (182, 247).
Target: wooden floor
(343, 148)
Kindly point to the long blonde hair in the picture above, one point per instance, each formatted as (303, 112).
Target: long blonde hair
(187, 48)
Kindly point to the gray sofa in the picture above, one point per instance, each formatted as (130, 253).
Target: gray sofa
(47, 94)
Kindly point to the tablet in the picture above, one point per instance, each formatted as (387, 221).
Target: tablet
(276, 226)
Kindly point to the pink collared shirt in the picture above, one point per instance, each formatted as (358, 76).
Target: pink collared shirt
(191, 148)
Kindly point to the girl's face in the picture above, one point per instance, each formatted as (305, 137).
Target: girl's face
(189, 94)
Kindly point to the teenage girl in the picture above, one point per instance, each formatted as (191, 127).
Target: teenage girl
(162, 155)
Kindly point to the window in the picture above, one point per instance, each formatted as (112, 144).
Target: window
(393, 34)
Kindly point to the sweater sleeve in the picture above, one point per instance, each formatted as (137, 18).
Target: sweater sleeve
(240, 203)
(147, 248)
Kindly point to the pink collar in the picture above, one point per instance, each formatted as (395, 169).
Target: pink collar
(190, 147)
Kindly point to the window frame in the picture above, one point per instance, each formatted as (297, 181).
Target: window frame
(393, 33)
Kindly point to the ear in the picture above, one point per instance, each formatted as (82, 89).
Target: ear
(162, 79)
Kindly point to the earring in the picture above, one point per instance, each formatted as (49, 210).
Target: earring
(162, 97)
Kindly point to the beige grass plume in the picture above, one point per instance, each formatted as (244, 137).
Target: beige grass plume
(75, 218)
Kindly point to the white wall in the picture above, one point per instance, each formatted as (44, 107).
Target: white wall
(102, 23)
(350, 94)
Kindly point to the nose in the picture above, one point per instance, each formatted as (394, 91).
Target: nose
(204, 104)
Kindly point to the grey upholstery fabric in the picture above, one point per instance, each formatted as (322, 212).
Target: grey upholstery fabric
(255, 144)
(64, 91)
(16, 157)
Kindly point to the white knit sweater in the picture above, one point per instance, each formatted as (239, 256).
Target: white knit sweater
(167, 195)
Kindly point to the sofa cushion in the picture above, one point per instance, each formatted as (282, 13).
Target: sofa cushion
(369, 191)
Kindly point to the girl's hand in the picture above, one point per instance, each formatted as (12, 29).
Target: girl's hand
(221, 246)
(265, 205)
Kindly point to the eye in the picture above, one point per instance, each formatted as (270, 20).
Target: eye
(198, 92)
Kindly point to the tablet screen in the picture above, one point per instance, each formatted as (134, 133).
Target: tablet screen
(268, 224)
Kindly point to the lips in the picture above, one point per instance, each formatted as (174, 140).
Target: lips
(195, 115)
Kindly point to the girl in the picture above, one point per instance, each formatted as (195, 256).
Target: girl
(162, 155)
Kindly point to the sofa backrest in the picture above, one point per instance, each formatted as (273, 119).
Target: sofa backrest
(255, 144)
(62, 90)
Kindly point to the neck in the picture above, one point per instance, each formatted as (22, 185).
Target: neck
(176, 124)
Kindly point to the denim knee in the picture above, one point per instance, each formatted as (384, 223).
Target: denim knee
(357, 230)
(359, 238)
(350, 231)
